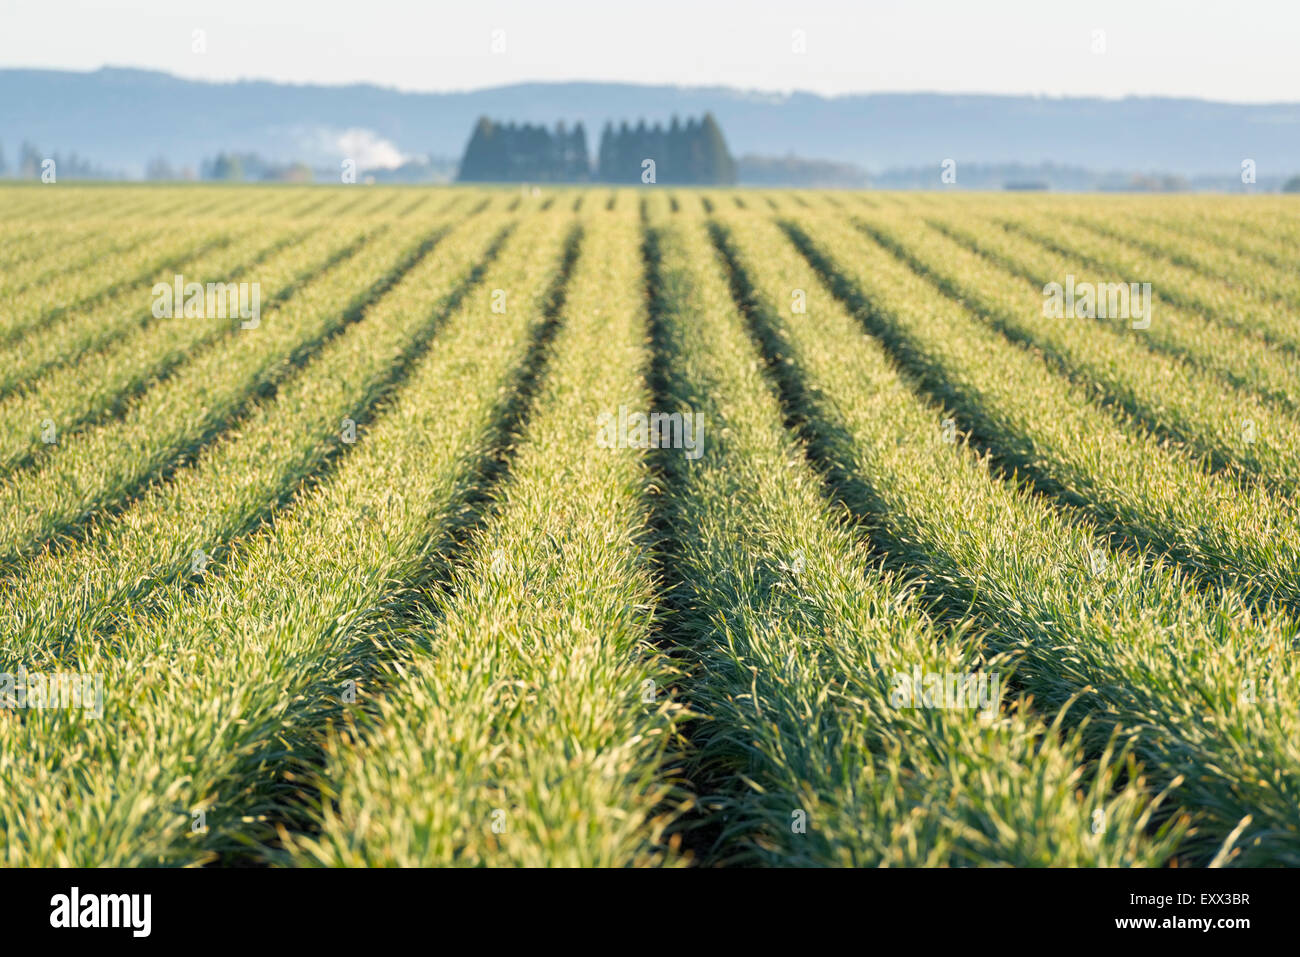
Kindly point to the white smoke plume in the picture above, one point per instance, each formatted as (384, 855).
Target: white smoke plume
(369, 150)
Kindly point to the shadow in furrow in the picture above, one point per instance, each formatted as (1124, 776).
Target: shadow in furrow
(412, 207)
(1114, 234)
(19, 331)
(408, 608)
(800, 405)
(1129, 410)
(143, 319)
(351, 208)
(1151, 343)
(318, 469)
(699, 830)
(77, 528)
(946, 599)
(451, 203)
(1184, 300)
(62, 247)
(313, 208)
(116, 405)
(823, 443)
(980, 430)
(381, 209)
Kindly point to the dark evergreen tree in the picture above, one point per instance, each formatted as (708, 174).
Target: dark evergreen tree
(626, 166)
(719, 168)
(524, 152)
(578, 162)
(641, 147)
(605, 159)
(675, 164)
(476, 165)
(685, 154)
(691, 154)
(656, 149)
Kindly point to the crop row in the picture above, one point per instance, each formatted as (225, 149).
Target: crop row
(1049, 428)
(218, 685)
(805, 754)
(1238, 308)
(1168, 395)
(527, 718)
(1241, 361)
(1198, 685)
(108, 463)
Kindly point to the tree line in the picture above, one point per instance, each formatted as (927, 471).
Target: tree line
(241, 167)
(690, 153)
(30, 162)
(509, 152)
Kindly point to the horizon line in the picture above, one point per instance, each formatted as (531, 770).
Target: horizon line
(748, 91)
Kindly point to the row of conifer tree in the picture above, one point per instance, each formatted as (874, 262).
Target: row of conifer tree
(690, 153)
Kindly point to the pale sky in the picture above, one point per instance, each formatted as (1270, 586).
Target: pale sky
(1238, 51)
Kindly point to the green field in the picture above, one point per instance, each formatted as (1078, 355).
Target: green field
(648, 527)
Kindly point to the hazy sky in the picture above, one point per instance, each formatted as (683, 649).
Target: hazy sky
(1225, 51)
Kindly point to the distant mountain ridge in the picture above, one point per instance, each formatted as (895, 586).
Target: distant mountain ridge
(120, 118)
